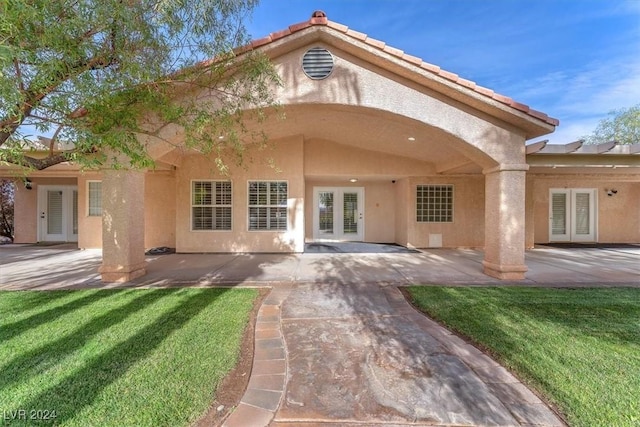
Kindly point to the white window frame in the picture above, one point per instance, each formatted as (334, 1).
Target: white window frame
(89, 207)
(213, 205)
(570, 215)
(425, 218)
(268, 206)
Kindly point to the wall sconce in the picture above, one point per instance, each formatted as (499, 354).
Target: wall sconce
(611, 192)
(27, 184)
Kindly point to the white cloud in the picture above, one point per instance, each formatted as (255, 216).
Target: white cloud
(581, 98)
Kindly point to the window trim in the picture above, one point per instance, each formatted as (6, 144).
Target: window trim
(89, 214)
(452, 186)
(192, 205)
(249, 206)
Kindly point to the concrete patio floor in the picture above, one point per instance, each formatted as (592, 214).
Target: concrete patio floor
(336, 343)
(65, 267)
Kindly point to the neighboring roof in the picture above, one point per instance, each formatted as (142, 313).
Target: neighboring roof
(579, 148)
(319, 18)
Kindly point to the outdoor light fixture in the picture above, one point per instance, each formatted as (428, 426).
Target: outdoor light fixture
(27, 184)
(411, 139)
(353, 180)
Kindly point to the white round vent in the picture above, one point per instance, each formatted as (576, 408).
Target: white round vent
(317, 63)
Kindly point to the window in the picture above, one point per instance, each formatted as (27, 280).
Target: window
(434, 203)
(210, 205)
(95, 198)
(267, 205)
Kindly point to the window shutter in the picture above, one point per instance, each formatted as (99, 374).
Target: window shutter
(559, 213)
(54, 210)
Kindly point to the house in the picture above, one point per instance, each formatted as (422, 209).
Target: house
(377, 146)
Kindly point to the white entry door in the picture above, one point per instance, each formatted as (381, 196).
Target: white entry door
(338, 213)
(572, 214)
(57, 213)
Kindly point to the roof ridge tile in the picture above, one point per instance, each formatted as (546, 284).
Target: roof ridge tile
(393, 51)
(356, 34)
(337, 26)
(299, 26)
(375, 43)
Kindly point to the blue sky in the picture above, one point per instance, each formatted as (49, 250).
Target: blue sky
(575, 60)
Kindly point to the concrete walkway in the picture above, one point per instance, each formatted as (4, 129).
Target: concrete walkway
(335, 355)
(336, 343)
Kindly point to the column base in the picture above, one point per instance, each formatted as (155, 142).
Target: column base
(504, 272)
(121, 273)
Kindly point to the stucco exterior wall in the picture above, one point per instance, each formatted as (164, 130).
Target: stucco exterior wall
(379, 208)
(618, 216)
(160, 209)
(26, 214)
(89, 227)
(328, 159)
(356, 82)
(467, 228)
(288, 158)
(159, 216)
(402, 199)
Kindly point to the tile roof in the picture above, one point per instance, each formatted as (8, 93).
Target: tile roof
(578, 147)
(319, 18)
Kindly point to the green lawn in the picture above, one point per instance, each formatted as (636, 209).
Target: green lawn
(117, 357)
(578, 347)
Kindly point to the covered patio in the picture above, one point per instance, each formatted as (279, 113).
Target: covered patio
(66, 267)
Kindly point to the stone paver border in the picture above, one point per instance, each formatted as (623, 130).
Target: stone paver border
(269, 372)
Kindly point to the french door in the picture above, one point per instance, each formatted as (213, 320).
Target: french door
(57, 213)
(572, 214)
(338, 213)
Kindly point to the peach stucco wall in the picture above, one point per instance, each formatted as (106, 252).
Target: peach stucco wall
(329, 159)
(89, 227)
(160, 209)
(402, 199)
(288, 159)
(26, 207)
(356, 82)
(379, 208)
(467, 228)
(26, 214)
(618, 216)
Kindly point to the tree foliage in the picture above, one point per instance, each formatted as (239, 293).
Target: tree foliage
(622, 126)
(7, 192)
(96, 76)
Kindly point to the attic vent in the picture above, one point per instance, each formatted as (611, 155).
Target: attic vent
(317, 63)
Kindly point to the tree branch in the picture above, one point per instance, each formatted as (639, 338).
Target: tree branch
(10, 124)
(54, 138)
(38, 164)
(16, 65)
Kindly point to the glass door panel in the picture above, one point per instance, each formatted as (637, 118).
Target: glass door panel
(325, 212)
(559, 215)
(350, 213)
(583, 215)
(54, 211)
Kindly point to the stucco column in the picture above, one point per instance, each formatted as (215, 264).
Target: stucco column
(122, 225)
(505, 189)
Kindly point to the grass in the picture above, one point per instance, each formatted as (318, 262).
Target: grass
(578, 347)
(117, 357)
